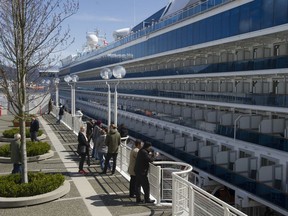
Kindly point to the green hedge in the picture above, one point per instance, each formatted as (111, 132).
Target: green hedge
(10, 133)
(32, 148)
(39, 183)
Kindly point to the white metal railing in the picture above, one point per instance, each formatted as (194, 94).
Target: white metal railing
(188, 199)
(74, 123)
(169, 183)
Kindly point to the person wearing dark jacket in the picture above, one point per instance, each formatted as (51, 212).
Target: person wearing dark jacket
(15, 149)
(123, 130)
(61, 113)
(144, 157)
(83, 148)
(50, 106)
(89, 130)
(113, 140)
(34, 128)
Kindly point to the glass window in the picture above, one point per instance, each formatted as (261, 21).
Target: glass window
(244, 25)
(267, 13)
(216, 25)
(243, 154)
(266, 162)
(255, 15)
(196, 39)
(225, 24)
(234, 21)
(280, 15)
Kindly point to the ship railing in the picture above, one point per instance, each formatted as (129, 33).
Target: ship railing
(188, 199)
(169, 185)
(72, 122)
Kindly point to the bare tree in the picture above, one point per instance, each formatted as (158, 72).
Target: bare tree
(31, 37)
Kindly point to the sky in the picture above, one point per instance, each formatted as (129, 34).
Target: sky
(107, 16)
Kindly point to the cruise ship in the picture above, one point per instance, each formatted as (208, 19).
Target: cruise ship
(207, 83)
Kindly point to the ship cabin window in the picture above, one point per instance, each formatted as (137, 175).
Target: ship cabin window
(267, 162)
(243, 154)
(225, 148)
(210, 143)
(254, 53)
(276, 50)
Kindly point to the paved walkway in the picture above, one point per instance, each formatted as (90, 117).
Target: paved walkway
(92, 194)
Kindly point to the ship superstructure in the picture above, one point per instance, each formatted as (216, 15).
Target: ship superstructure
(206, 82)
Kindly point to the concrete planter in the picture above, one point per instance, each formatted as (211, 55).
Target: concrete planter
(13, 202)
(30, 159)
(16, 123)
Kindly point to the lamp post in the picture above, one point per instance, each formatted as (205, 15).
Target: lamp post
(45, 83)
(56, 82)
(118, 72)
(106, 74)
(71, 81)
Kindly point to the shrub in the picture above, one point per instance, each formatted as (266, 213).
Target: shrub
(39, 183)
(10, 133)
(32, 148)
(5, 150)
(37, 148)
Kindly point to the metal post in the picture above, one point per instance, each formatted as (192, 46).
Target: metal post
(57, 96)
(72, 104)
(235, 126)
(73, 99)
(116, 104)
(109, 105)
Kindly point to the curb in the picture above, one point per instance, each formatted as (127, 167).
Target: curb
(30, 159)
(11, 202)
(3, 139)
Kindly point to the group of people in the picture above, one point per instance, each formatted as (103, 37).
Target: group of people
(106, 145)
(140, 157)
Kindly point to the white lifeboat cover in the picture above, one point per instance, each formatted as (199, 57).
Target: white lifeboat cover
(92, 39)
(121, 33)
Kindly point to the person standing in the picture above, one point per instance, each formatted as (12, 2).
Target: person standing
(96, 133)
(34, 128)
(61, 113)
(102, 148)
(113, 140)
(123, 130)
(15, 149)
(132, 161)
(89, 130)
(83, 148)
(144, 157)
(50, 106)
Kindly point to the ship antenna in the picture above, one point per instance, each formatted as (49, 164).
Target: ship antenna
(134, 13)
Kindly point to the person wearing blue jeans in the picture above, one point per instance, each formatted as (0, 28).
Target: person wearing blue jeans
(113, 140)
(101, 148)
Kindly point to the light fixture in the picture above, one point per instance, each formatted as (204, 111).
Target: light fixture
(118, 72)
(56, 83)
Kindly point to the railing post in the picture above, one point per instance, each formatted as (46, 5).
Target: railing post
(174, 194)
(191, 201)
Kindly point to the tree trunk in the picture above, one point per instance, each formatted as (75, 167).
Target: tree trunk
(24, 174)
